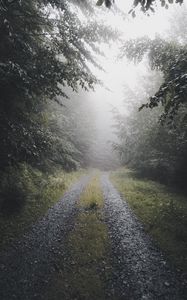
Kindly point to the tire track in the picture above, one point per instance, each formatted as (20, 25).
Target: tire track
(26, 266)
(140, 270)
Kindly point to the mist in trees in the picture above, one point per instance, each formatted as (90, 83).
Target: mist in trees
(70, 92)
(152, 135)
(46, 48)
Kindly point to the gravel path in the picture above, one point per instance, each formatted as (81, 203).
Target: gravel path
(26, 266)
(140, 270)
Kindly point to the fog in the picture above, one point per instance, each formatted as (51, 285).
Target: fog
(120, 74)
(85, 88)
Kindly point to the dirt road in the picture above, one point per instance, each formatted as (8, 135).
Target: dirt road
(139, 270)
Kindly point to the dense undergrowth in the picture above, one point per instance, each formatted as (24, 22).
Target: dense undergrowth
(162, 211)
(26, 194)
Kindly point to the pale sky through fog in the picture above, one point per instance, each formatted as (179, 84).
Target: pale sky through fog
(120, 72)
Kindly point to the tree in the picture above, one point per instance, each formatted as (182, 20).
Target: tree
(155, 150)
(171, 60)
(146, 5)
(73, 126)
(44, 48)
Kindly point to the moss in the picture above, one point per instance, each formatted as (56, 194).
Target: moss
(163, 213)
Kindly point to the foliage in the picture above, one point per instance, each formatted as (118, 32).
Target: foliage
(162, 211)
(171, 60)
(16, 184)
(157, 151)
(26, 195)
(154, 150)
(149, 5)
(73, 126)
(44, 47)
(146, 5)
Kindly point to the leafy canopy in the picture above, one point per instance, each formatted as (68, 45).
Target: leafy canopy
(44, 48)
(171, 60)
(146, 5)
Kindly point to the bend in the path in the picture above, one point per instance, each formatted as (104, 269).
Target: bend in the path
(140, 270)
(26, 266)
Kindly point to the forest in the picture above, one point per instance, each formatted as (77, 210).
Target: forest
(94, 87)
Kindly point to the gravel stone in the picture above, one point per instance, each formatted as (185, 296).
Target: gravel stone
(26, 266)
(140, 270)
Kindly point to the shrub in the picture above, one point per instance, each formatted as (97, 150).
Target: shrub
(17, 184)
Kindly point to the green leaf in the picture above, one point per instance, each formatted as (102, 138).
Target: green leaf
(100, 2)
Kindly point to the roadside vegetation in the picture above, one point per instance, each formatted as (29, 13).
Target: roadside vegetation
(152, 127)
(162, 211)
(26, 195)
(49, 53)
(88, 269)
(43, 70)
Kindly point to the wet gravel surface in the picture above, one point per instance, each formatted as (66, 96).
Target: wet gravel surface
(26, 266)
(139, 269)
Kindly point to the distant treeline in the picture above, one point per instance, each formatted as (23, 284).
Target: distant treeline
(154, 140)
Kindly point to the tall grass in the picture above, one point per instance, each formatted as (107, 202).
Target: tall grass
(162, 211)
(25, 195)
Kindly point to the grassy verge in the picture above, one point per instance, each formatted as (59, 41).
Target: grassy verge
(163, 212)
(85, 275)
(42, 192)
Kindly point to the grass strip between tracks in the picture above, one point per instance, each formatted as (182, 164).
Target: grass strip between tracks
(88, 269)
